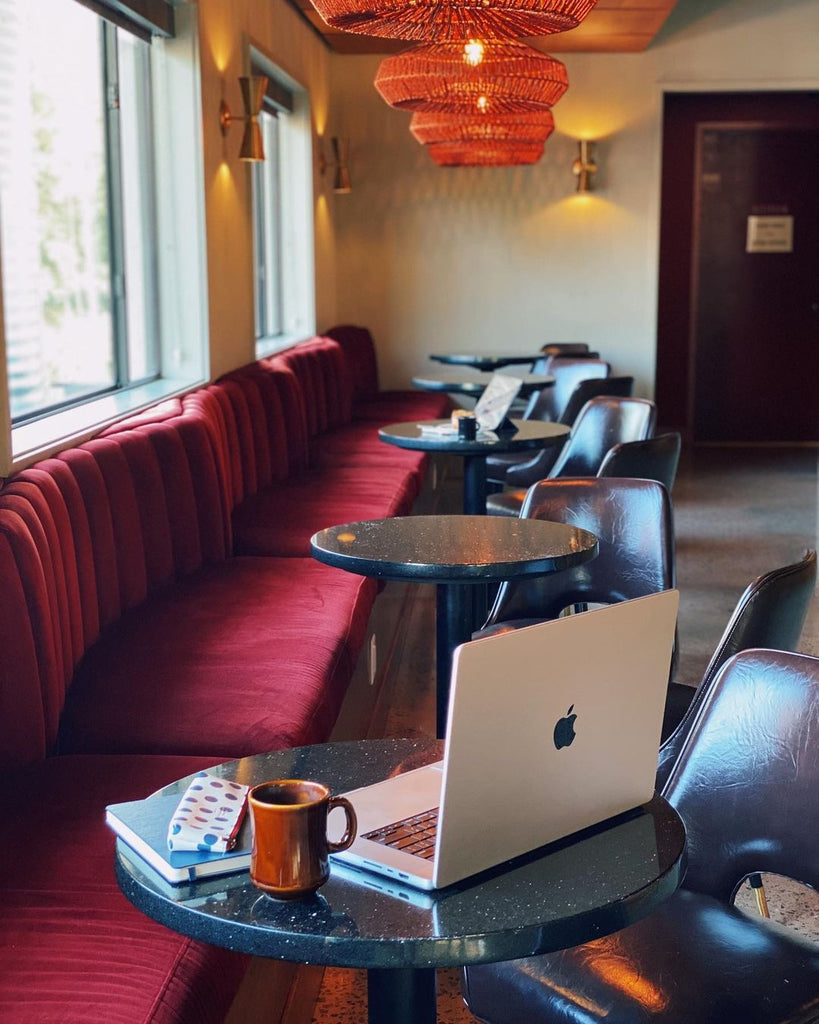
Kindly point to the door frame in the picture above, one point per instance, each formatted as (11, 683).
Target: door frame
(685, 115)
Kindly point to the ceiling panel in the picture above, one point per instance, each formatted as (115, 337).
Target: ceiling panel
(614, 26)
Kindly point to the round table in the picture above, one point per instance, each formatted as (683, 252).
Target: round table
(486, 360)
(583, 887)
(474, 385)
(457, 553)
(530, 434)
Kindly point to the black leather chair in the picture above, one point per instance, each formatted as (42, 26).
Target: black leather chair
(540, 407)
(589, 388)
(745, 785)
(549, 403)
(633, 522)
(656, 458)
(770, 613)
(601, 423)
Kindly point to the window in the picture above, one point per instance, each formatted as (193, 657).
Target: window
(282, 215)
(102, 214)
(267, 229)
(76, 198)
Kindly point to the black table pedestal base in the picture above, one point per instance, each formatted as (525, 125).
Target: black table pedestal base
(454, 623)
(475, 485)
(401, 996)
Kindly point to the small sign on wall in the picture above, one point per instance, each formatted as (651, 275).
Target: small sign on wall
(769, 234)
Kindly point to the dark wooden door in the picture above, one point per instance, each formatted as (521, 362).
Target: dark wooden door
(756, 313)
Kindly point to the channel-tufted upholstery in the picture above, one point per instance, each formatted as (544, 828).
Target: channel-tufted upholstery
(745, 785)
(140, 643)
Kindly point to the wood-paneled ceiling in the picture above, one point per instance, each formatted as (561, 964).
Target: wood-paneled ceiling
(614, 26)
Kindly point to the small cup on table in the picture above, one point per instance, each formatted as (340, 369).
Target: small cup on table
(289, 858)
(467, 427)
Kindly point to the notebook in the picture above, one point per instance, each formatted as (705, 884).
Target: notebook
(143, 825)
(551, 728)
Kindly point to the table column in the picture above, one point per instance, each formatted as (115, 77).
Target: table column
(474, 485)
(454, 624)
(401, 996)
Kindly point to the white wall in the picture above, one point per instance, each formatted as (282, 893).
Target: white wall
(227, 27)
(470, 258)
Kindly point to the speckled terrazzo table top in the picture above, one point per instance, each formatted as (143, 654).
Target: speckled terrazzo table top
(462, 382)
(567, 893)
(458, 549)
(529, 435)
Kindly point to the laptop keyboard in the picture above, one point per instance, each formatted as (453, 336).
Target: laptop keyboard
(412, 835)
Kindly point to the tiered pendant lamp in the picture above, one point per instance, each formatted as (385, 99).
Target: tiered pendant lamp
(478, 154)
(482, 130)
(443, 20)
(496, 77)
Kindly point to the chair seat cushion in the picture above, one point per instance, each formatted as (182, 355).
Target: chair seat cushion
(281, 520)
(248, 655)
(693, 960)
(359, 447)
(496, 465)
(507, 503)
(73, 949)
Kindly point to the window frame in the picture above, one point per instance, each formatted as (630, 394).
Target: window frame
(111, 76)
(180, 308)
(294, 273)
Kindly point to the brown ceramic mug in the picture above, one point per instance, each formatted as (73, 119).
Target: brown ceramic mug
(290, 853)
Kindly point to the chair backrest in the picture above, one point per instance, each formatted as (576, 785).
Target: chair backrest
(602, 423)
(568, 373)
(550, 403)
(746, 781)
(656, 458)
(619, 387)
(547, 360)
(564, 348)
(633, 522)
(770, 613)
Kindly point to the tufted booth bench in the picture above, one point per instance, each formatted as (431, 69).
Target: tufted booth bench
(156, 594)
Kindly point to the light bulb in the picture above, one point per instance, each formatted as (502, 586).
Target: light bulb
(473, 52)
(483, 103)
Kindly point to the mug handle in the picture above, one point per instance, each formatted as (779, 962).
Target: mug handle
(352, 824)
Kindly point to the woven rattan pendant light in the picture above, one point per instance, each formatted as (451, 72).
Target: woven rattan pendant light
(442, 20)
(510, 76)
(496, 154)
(430, 129)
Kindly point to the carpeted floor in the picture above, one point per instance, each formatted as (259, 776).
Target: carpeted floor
(738, 513)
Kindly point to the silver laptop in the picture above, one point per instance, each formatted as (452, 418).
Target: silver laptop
(552, 728)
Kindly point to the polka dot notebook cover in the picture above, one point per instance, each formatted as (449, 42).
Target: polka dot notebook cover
(208, 816)
(145, 826)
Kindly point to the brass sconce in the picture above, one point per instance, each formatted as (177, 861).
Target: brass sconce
(341, 173)
(253, 90)
(584, 166)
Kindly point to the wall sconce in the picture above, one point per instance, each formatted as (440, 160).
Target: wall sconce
(584, 166)
(341, 173)
(253, 90)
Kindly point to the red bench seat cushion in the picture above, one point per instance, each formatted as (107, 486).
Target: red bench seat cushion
(282, 519)
(74, 951)
(248, 655)
(359, 446)
(395, 406)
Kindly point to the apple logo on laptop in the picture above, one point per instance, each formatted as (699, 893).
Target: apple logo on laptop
(564, 734)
